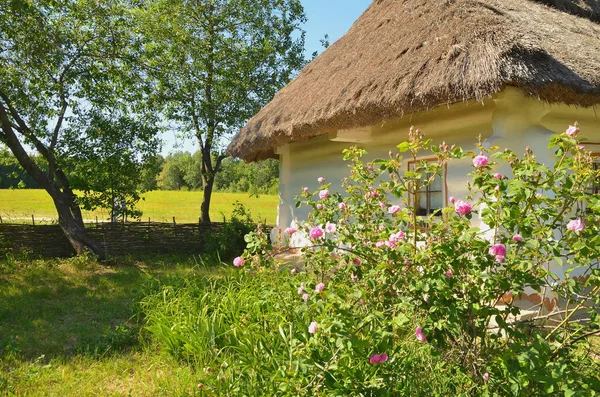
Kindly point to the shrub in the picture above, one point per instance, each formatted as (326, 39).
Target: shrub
(394, 303)
(228, 242)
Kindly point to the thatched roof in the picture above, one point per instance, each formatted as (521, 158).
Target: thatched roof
(405, 56)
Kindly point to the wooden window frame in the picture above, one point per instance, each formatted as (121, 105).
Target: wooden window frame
(428, 192)
(596, 166)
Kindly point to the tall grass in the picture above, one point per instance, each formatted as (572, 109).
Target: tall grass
(73, 328)
(245, 334)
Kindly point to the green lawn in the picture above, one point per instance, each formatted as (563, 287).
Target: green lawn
(71, 328)
(159, 206)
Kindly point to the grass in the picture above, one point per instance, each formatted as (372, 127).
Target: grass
(71, 327)
(159, 206)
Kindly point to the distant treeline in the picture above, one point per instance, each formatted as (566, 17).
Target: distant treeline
(177, 171)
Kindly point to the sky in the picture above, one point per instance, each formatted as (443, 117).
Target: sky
(331, 17)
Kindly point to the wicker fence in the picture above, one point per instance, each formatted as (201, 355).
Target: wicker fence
(114, 238)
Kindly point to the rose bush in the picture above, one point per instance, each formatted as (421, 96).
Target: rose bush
(392, 303)
(461, 286)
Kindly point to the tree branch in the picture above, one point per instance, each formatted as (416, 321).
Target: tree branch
(20, 154)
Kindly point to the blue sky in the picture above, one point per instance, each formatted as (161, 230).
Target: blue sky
(332, 17)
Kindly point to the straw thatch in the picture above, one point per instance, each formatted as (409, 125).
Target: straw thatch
(404, 56)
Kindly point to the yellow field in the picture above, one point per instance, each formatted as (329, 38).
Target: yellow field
(159, 206)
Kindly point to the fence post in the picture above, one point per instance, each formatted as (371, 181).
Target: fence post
(173, 221)
(0, 220)
(32, 220)
(96, 221)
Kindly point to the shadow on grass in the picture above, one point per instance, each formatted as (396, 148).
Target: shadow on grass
(57, 308)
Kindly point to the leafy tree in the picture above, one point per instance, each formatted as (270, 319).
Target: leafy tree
(62, 61)
(172, 175)
(105, 158)
(261, 177)
(12, 175)
(216, 62)
(149, 173)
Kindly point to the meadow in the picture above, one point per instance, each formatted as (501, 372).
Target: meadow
(73, 328)
(158, 206)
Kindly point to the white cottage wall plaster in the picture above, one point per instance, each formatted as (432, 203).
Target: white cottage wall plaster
(509, 120)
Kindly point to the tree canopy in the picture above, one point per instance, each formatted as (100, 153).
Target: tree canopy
(62, 64)
(214, 63)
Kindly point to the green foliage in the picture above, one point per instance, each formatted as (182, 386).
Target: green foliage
(248, 335)
(12, 175)
(177, 169)
(216, 64)
(105, 158)
(228, 241)
(393, 303)
(261, 177)
(71, 327)
(67, 69)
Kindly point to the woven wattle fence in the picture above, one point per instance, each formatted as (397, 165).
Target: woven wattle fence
(114, 238)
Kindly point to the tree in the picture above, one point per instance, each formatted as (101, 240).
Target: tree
(60, 62)
(216, 62)
(150, 171)
(172, 175)
(106, 157)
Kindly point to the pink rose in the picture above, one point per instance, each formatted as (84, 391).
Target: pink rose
(517, 238)
(498, 175)
(316, 232)
(323, 194)
(330, 227)
(305, 189)
(353, 276)
(395, 237)
(305, 297)
(378, 358)
(313, 328)
(390, 244)
(321, 179)
(356, 261)
(500, 258)
(498, 249)
(380, 244)
(572, 131)
(290, 230)
(420, 335)
(301, 289)
(320, 287)
(581, 147)
(382, 205)
(486, 376)
(451, 200)
(575, 225)
(448, 273)
(393, 209)
(462, 207)
(239, 261)
(294, 271)
(342, 206)
(480, 161)
(319, 206)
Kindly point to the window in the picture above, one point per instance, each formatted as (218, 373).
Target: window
(595, 188)
(430, 198)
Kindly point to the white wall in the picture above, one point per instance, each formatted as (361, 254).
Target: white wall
(510, 120)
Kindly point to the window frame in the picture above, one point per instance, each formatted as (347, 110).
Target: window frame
(444, 191)
(595, 165)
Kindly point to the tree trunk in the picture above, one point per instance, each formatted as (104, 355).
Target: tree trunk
(208, 187)
(69, 213)
(73, 227)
